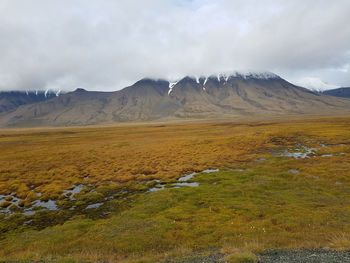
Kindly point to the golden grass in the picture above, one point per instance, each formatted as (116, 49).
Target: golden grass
(340, 241)
(264, 206)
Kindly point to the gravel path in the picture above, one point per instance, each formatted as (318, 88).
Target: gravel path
(280, 256)
(305, 256)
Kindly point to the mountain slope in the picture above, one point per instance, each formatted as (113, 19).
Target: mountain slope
(341, 92)
(10, 100)
(220, 96)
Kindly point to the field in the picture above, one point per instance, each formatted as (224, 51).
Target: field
(162, 192)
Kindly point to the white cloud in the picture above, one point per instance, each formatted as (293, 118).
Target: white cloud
(315, 84)
(106, 45)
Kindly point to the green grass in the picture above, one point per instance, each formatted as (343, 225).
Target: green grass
(264, 204)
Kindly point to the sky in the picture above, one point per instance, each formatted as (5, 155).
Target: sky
(107, 45)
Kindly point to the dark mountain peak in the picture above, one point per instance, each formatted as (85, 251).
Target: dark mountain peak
(147, 86)
(80, 90)
(188, 80)
(186, 84)
(213, 78)
(151, 82)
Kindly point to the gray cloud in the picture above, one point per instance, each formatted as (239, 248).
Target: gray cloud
(106, 45)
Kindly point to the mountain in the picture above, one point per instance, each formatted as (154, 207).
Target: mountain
(248, 95)
(10, 100)
(341, 92)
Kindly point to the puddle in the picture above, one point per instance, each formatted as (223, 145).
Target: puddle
(28, 212)
(49, 205)
(94, 206)
(207, 171)
(27, 222)
(12, 199)
(187, 177)
(237, 170)
(293, 171)
(338, 183)
(182, 181)
(106, 213)
(195, 184)
(331, 154)
(260, 160)
(300, 152)
(157, 188)
(75, 190)
(327, 155)
(190, 176)
(107, 198)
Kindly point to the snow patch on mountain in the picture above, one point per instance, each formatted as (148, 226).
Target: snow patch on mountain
(205, 81)
(251, 75)
(171, 85)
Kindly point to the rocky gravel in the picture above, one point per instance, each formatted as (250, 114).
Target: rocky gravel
(280, 256)
(305, 256)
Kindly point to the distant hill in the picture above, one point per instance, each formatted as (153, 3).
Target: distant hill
(259, 95)
(341, 92)
(10, 100)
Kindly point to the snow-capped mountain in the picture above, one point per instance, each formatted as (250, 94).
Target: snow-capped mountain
(233, 95)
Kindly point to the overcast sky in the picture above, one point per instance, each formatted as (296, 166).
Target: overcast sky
(109, 44)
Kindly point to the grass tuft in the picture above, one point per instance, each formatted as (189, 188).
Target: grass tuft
(340, 241)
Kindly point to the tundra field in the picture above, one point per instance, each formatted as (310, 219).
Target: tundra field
(164, 192)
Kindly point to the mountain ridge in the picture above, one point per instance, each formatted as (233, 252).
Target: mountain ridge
(339, 92)
(215, 96)
(10, 100)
